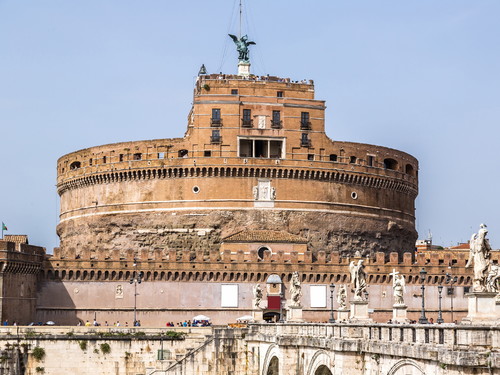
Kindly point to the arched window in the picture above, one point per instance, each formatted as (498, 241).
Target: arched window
(75, 165)
(409, 170)
(390, 164)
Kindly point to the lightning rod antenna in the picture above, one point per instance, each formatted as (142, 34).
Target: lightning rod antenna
(240, 20)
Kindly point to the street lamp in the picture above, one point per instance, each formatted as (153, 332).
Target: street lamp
(281, 308)
(451, 280)
(423, 319)
(136, 279)
(440, 313)
(332, 319)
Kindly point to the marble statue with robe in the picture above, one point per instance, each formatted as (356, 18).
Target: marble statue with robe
(479, 257)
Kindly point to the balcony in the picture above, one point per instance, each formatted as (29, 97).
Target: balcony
(247, 123)
(276, 124)
(305, 143)
(216, 139)
(216, 122)
(305, 125)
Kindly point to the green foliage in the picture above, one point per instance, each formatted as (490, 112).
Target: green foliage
(139, 334)
(96, 351)
(40, 369)
(70, 334)
(38, 353)
(206, 87)
(105, 348)
(443, 365)
(128, 355)
(173, 335)
(30, 334)
(83, 345)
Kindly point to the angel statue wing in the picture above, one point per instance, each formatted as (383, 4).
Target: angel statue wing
(352, 271)
(403, 282)
(233, 37)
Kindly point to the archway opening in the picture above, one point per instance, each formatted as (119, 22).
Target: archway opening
(273, 368)
(322, 370)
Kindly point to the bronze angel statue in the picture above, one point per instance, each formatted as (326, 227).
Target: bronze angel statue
(242, 47)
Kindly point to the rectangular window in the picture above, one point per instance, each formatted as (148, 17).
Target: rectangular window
(138, 156)
(304, 121)
(207, 153)
(276, 120)
(333, 157)
(304, 141)
(260, 148)
(90, 161)
(450, 291)
(466, 290)
(310, 156)
(234, 92)
(104, 159)
(216, 119)
(121, 157)
(369, 161)
(318, 295)
(247, 118)
(279, 94)
(229, 295)
(161, 155)
(216, 138)
(352, 160)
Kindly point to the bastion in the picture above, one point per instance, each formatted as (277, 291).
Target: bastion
(255, 156)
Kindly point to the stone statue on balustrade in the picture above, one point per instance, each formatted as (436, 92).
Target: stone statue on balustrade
(358, 279)
(295, 290)
(342, 297)
(399, 288)
(479, 256)
(257, 296)
(493, 280)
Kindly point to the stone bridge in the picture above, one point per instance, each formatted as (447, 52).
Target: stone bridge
(259, 349)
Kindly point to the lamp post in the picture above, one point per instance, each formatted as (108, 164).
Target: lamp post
(332, 319)
(281, 308)
(440, 313)
(423, 319)
(451, 280)
(136, 279)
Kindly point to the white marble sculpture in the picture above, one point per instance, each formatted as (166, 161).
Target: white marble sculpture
(399, 288)
(295, 290)
(479, 255)
(358, 279)
(493, 279)
(342, 297)
(257, 295)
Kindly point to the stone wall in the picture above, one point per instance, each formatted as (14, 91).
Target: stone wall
(302, 349)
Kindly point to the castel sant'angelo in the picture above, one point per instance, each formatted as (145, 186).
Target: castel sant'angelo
(255, 188)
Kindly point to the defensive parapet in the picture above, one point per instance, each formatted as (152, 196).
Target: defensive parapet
(20, 264)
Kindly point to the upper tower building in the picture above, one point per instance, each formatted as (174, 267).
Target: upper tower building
(255, 156)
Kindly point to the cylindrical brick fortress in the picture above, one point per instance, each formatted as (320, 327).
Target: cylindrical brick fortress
(255, 156)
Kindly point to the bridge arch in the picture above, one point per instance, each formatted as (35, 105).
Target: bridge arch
(321, 364)
(406, 367)
(271, 362)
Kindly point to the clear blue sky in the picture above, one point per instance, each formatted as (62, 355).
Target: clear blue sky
(422, 76)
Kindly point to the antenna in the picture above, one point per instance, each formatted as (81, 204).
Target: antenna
(239, 36)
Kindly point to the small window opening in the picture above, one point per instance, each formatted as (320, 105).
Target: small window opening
(304, 140)
(104, 159)
(310, 156)
(333, 157)
(138, 156)
(305, 124)
(276, 120)
(279, 94)
(90, 161)
(409, 170)
(161, 155)
(182, 153)
(352, 160)
(262, 251)
(234, 91)
(207, 153)
(466, 289)
(390, 164)
(370, 160)
(246, 121)
(450, 291)
(75, 165)
(121, 157)
(215, 138)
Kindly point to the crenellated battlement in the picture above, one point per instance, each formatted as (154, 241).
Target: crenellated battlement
(240, 267)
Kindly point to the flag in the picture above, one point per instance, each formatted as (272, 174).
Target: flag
(3, 226)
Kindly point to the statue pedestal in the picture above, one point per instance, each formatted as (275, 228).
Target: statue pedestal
(258, 316)
(294, 314)
(399, 314)
(244, 69)
(343, 315)
(359, 312)
(482, 308)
